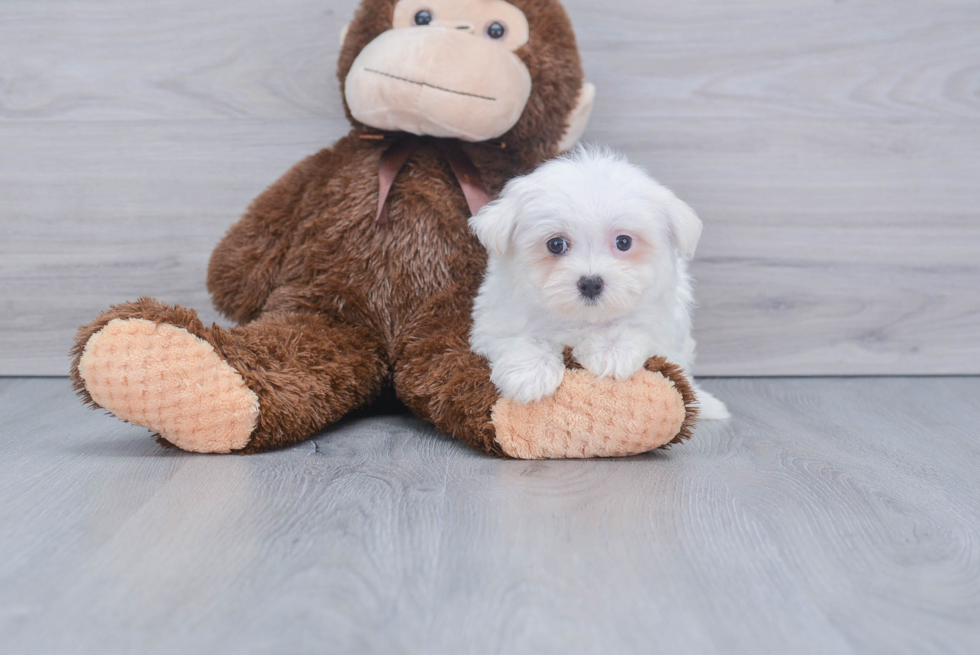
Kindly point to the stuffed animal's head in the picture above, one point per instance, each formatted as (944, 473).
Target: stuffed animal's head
(470, 69)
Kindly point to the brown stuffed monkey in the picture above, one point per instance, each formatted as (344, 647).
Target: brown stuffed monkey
(356, 271)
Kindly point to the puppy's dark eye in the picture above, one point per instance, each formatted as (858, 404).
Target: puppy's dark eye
(558, 246)
(624, 242)
(424, 17)
(496, 31)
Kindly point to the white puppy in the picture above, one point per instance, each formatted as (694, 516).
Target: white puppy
(587, 251)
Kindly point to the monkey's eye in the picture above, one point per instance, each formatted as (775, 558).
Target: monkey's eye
(496, 31)
(424, 17)
(624, 242)
(558, 246)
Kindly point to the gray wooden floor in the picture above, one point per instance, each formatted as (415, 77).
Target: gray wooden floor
(829, 516)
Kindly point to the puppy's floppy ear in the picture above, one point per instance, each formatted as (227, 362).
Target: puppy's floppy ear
(494, 224)
(684, 224)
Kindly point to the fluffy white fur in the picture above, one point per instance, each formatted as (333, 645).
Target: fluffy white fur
(530, 305)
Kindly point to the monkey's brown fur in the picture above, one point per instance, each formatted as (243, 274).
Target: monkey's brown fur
(335, 307)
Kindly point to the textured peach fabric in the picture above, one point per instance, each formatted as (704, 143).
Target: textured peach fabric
(589, 417)
(166, 379)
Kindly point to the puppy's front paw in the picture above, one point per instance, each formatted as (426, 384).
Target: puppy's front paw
(610, 359)
(527, 379)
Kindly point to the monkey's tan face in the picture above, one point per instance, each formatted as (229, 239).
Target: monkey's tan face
(447, 68)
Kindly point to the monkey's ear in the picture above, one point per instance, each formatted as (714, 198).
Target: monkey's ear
(343, 34)
(579, 118)
(494, 224)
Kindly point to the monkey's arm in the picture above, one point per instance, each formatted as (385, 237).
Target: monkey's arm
(243, 268)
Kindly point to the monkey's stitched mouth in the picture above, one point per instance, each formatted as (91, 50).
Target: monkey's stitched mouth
(431, 86)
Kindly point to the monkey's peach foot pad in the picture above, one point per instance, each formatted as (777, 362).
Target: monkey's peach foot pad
(166, 379)
(590, 417)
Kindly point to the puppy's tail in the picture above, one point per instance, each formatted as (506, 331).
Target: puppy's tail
(712, 409)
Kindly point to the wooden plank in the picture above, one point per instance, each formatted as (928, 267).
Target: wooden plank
(830, 148)
(849, 248)
(100, 213)
(830, 515)
(832, 271)
(769, 59)
(757, 59)
(100, 60)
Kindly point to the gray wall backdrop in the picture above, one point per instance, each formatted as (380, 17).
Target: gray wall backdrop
(832, 149)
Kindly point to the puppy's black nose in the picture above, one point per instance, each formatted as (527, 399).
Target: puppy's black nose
(590, 287)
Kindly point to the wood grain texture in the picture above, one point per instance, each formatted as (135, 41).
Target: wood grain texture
(829, 516)
(830, 148)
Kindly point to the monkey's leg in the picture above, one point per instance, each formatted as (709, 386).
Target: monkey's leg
(267, 384)
(444, 382)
